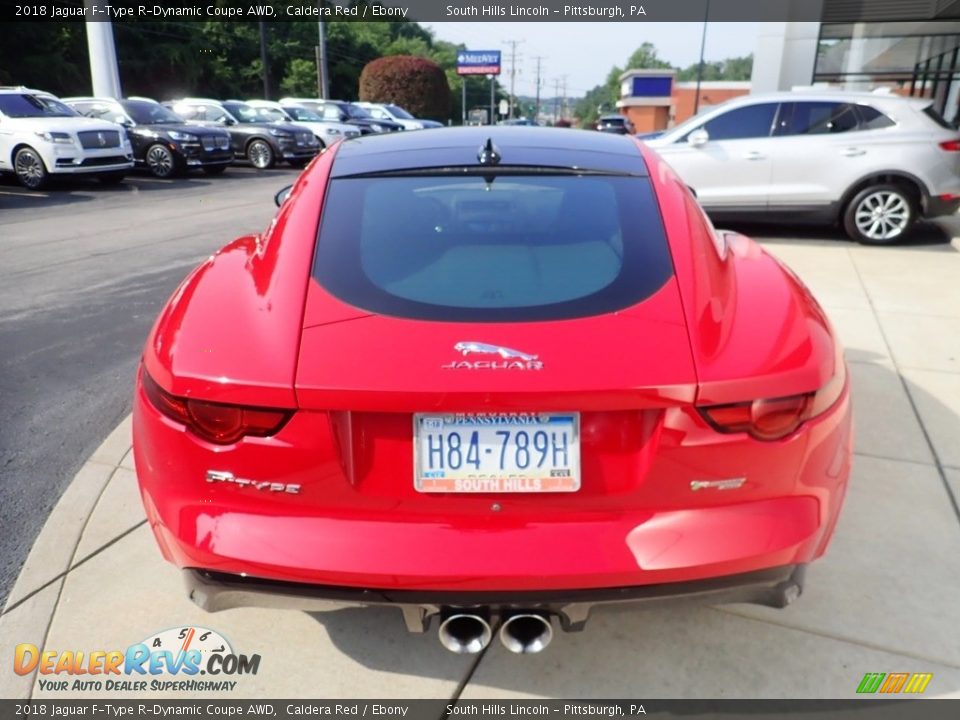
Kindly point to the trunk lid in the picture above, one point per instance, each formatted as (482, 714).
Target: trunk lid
(632, 359)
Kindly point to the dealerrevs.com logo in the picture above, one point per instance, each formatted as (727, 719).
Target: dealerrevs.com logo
(184, 659)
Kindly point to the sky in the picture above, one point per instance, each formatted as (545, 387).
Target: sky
(585, 52)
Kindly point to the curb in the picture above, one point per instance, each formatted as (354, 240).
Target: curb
(35, 595)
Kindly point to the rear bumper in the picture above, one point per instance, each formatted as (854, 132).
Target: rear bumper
(937, 206)
(215, 591)
(341, 534)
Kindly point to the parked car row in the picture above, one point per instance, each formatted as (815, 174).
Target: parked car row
(42, 136)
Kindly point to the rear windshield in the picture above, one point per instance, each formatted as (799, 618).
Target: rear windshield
(508, 248)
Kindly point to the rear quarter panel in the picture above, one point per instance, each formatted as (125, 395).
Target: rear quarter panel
(755, 330)
(230, 333)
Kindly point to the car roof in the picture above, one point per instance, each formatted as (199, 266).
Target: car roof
(816, 94)
(20, 90)
(460, 146)
(198, 100)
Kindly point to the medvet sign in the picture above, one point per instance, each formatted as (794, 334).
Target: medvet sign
(478, 62)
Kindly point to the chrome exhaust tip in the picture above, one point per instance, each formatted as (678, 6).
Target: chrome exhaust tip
(465, 634)
(526, 633)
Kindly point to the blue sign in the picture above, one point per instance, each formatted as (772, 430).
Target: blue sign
(478, 62)
(651, 86)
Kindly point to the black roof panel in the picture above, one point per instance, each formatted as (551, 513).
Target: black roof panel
(460, 146)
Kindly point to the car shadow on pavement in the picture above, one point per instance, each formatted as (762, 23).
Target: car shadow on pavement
(935, 235)
(69, 191)
(853, 615)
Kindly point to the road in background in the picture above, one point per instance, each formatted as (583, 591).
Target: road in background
(84, 270)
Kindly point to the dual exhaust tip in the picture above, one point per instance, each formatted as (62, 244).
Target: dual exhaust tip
(522, 633)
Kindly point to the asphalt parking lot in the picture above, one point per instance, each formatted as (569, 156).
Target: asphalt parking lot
(85, 270)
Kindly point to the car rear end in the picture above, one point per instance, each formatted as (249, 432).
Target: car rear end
(938, 162)
(494, 405)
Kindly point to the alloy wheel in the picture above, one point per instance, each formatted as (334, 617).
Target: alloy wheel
(160, 161)
(260, 154)
(29, 168)
(882, 215)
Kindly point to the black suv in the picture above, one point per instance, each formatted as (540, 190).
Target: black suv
(345, 112)
(162, 141)
(615, 124)
(254, 135)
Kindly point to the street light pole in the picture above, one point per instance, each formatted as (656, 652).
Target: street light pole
(323, 79)
(263, 60)
(703, 42)
(493, 117)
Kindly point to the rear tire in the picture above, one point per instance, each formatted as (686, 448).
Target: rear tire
(260, 154)
(30, 170)
(880, 214)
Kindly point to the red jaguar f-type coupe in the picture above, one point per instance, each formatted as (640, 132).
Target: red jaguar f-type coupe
(496, 377)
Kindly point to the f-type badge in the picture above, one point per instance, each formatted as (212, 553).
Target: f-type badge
(510, 359)
(220, 476)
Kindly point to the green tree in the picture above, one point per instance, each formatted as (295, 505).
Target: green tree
(301, 78)
(645, 57)
(738, 68)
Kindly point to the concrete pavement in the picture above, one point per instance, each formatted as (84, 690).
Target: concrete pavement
(883, 600)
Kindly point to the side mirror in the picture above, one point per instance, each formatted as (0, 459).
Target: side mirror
(121, 120)
(281, 196)
(698, 137)
(227, 121)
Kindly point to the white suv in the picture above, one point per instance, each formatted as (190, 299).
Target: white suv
(874, 162)
(40, 137)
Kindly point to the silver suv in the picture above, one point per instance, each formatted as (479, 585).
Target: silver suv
(874, 162)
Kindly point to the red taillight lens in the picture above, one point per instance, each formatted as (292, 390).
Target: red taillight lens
(173, 407)
(215, 422)
(775, 418)
(950, 145)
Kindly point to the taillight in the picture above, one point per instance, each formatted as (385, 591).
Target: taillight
(775, 418)
(950, 145)
(216, 422)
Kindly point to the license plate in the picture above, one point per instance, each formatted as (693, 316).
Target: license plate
(496, 452)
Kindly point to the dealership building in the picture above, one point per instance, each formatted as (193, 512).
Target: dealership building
(909, 46)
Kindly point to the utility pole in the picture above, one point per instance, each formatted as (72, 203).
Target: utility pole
(513, 71)
(556, 100)
(564, 81)
(536, 108)
(323, 79)
(263, 60)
